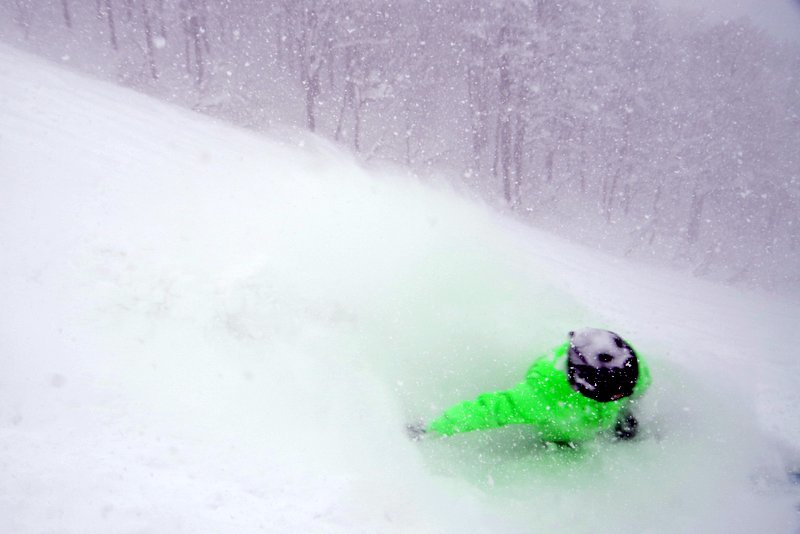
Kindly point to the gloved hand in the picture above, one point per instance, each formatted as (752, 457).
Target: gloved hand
(416, 431)
(627, 426)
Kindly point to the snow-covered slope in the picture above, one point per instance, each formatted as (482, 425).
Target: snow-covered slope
(204, 330)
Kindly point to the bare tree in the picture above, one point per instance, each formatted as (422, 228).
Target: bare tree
(106, 11)
(128, 5)
(65, 11)
(149, 39)
(311, 24)
(196, 44)
(23, 16)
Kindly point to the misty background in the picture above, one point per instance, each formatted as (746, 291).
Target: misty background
(659, 135)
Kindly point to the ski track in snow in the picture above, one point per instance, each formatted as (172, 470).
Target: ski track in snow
(208, 330)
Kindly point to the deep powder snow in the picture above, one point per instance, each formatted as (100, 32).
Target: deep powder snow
(206, 330)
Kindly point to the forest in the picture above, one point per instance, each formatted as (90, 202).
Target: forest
(645, 133)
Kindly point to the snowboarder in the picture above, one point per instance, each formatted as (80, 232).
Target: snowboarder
(584, 387)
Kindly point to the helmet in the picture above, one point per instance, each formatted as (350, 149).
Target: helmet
(601, 365)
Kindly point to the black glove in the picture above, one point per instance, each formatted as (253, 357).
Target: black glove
(627, 426)
(416, 431)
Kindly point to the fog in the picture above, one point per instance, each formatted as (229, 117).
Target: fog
(781, 18)
(648, 134)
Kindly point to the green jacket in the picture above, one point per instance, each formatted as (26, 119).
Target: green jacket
(545, 400)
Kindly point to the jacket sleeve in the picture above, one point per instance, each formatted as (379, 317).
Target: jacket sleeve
(488, 410)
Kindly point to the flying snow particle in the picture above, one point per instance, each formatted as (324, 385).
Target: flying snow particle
(159, 42)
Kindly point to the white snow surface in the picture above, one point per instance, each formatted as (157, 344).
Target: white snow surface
(208, 330)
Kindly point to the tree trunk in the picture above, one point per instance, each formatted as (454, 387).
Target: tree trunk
(129, 10)
(582, 162)
(310, 68)
(66, 12)
(518, 156)
(476, 84)
(162, 27)
(504, 121)
(357, 129)
(608, 204)
(148, 35)
(23, 18)
(112, 27)
(549, 165)
(409, 129)
(695, 217)
(348, 95)
(198, 53)
(312, 92)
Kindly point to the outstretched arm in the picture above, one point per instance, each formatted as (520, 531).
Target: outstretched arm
(489, 410)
